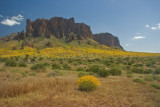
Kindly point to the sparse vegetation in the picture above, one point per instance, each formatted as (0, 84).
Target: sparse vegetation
(11, 63)
(38, 68)
(138, 80)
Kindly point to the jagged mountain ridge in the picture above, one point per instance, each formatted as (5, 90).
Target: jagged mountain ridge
(65, 28)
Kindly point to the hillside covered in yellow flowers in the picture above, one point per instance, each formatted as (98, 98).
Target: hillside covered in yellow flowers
(84, 48)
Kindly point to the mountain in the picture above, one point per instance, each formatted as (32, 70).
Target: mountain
(108, 40)
(58, 27)
(43, 33)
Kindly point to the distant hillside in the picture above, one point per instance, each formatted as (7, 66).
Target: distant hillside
(108, 40)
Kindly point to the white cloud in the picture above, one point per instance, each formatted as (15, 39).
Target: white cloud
(156, 27)
(138, 37)
(147, 26)
(138, 33)
(1, 15)
(15, 20)
(10, 22)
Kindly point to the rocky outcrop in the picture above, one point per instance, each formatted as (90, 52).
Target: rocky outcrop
(58, 27)
(21, 35)
(108, 40)
(27, 44)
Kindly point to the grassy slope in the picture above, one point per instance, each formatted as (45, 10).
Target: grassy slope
(61, 48)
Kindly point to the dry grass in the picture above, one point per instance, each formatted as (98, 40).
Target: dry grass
(63, 91)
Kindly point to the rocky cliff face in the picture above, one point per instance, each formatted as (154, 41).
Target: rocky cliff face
(58, 27)
(108, 40)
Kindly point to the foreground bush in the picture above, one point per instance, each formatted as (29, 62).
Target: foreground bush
(157, 71)
(11, 63)
(137, 70)
(38, 67)
(22, 64)
(101, 71)
(55, 66)
(155, 86)
(138, 80)
(115, 71)
(88, 83)
(66, 67)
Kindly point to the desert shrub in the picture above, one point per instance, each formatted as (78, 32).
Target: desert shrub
(93, 68)
(22, 64)
(46, 64)
(138, 80)
(11, 63)
(137, 70)
(107, 63)
(138, 65)
(32, 74)
(54, 73)
(155, 77)
(24, 74)
(66, 67)
(82, 73)
(157, 86)
(41, 58)
(38, 68)
(115, 71)
(101, 71)
(129, 75)
(157, 71)
(26, 57)
(88, 83)
(148, 71)
(148, 78)
(55, 66)
(80, 69)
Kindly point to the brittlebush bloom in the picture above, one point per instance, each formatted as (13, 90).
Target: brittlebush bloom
(88, 83)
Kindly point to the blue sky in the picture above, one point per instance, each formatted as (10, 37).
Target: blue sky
(135, 22)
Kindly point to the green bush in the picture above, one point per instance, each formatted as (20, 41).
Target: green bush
(66, 67)
(32, 74)
(137, 70)
(46, 64)
(93, 68)
(22, 64)
(115, 71)
(38, 67)
(157, 71)
(24, 74)
(11, 63)
(148, 71)
(101, 71)
(157, 86)
(80, 69)
(138, 80)
(55, 66)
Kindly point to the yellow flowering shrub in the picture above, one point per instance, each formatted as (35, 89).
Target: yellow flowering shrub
(88, 83)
